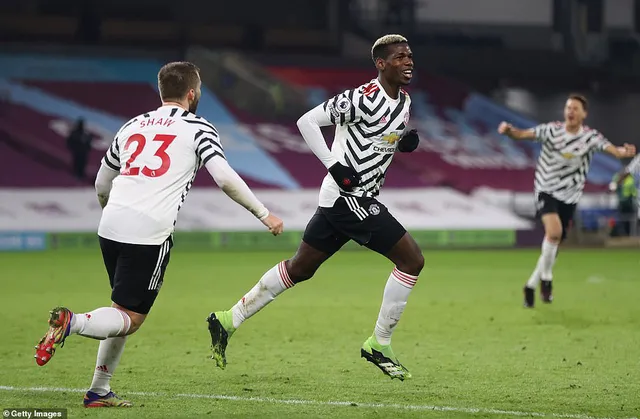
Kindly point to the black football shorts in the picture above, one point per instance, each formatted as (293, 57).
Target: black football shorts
(547, 204)
(363, 220)
(136, 272)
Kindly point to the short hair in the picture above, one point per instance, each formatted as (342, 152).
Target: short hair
(580, 98)
(175, 79)
(379, 48)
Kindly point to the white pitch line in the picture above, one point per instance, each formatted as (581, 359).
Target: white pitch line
(394, 406)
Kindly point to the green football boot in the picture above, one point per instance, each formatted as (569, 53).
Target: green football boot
(382, 356)
(221, 328)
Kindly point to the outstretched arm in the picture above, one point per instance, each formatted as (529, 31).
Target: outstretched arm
(626, 151)
(209, 150)
(515, 133)
(236, 188)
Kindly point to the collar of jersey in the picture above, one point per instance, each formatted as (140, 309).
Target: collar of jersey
(577, 134)
(170, 106)
(384, 92)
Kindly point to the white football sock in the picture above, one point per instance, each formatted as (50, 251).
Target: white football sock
(273, 282)
(394, 299)
(534, 279)
(101, 323)
(109, 353)
(548, 257)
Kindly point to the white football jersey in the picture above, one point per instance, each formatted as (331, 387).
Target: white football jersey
(634, 166)
(157, 155)
(369, 124)
(565, 159)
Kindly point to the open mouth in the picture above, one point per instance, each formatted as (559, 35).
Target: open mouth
(408, 73)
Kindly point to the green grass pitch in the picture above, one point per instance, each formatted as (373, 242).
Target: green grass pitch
(474, 351)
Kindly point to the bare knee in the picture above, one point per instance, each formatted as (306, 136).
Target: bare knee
(554, 238)
(407, 256)
(553, 235)
(300, 271)
(552, 228)
(304, 264)
(135, 319)
(412, 265)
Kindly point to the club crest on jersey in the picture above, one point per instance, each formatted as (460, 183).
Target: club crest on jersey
(391, 138)
(576, 152)
(374, 209)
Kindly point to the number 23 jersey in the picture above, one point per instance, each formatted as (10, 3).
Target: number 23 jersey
(157, 155)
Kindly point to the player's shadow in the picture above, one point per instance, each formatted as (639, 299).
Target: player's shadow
(568, 319)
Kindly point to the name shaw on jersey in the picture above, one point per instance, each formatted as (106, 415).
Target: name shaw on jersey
(165, 122)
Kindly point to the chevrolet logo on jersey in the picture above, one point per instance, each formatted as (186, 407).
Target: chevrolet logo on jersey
(391, 138)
